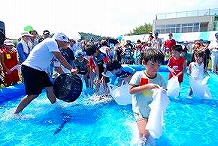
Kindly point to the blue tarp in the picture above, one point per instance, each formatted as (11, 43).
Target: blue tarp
(11, 92)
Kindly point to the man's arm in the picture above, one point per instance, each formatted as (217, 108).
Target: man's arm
(64, 62)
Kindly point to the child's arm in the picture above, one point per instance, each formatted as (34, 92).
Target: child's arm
(7, 70)
(206, 73)
(189, 69)
(170, 69)
(182, 71)
(138, 89)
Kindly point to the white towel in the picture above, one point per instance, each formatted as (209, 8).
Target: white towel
(27, 46)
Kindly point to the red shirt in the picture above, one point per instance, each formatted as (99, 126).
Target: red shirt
(91, 62)
(177, 65)
(10, 58)
(169, 44)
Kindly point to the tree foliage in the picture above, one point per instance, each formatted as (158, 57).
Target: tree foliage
(90, 36)
(143, 29)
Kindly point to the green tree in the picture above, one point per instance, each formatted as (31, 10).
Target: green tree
(143, 29)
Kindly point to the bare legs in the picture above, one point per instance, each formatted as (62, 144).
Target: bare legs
(24, 102)
(50, 94)
(141, 128)
(28, 98)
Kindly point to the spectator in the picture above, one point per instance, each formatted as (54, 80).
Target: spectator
(46, 34)
(169, 43)
(24, 46)
(81, 63)
(9, 61)
(156, 42)
(214, 53)
(34, 39)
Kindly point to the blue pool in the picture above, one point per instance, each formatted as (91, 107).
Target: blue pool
(88, 122)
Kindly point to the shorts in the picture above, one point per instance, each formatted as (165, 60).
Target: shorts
(34, 80)
(139, 117)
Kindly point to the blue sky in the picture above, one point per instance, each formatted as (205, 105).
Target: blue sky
(106, 18)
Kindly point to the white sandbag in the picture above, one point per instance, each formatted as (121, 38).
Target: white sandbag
(200, 88)
(121, 94)
(173, 87)
(158, 108)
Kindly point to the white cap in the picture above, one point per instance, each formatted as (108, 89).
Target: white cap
(26, 34)
(61, 37)
(8, 43)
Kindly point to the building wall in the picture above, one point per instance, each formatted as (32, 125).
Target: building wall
(204, 23)
(183, 20)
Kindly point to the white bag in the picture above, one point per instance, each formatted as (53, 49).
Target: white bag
(200, 88)
(121, 94)
(158, 108)
(173, 87)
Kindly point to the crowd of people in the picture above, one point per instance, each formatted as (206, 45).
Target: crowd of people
(101, 62)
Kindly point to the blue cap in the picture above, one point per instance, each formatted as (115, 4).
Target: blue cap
(216, 34)
(156, 33)
(79, 53)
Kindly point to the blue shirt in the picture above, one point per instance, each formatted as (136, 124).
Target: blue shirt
(22, 56)
(125, 71)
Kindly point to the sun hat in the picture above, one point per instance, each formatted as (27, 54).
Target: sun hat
(25, 33)
(61, 37)
(8, 43)
(79, 53)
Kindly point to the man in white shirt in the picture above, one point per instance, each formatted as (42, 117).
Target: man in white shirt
(156, 42)
(214, 53)
(34, 68)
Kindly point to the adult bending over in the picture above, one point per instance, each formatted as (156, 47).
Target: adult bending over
(35, 68)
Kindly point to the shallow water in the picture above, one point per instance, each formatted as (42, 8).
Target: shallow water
(93, 122)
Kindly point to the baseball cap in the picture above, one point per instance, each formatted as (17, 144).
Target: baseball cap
(170, 34)
(46, 32)
(8, 43)
(61, 37)
(79, 53)
(216, 34)
(156, 33)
